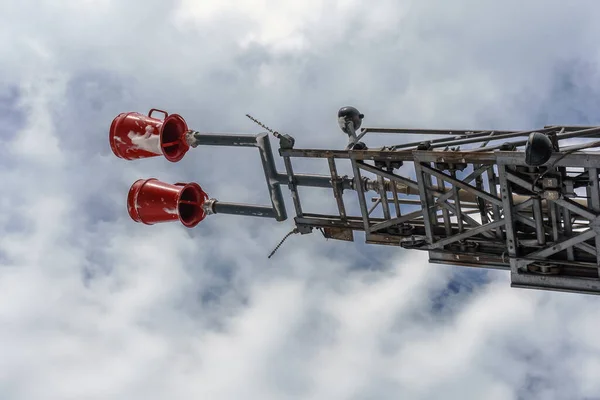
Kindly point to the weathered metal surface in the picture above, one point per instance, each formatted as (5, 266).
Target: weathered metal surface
(260, 141)
(220, 207)
(345, 234)
(477, 207)
(418, 131)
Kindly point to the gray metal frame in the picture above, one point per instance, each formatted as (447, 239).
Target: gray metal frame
(478, 207)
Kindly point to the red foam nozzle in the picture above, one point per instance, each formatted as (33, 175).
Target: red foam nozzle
(133, 135)
(151, 201)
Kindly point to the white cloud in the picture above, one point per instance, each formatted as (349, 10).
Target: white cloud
(96, 306)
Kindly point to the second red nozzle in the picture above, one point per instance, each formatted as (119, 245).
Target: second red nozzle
(151, 201)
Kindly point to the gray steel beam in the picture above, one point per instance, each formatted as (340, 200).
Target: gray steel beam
(383, 194)
(395, 198)
(488, 137)
(491, 179)
(462, 185)
(396, 221)
(313, 180)
(445, 213)
(458, 208)
(461, 215)
(566, 218)
(337, 187)
(556, 283)
(593, 191)
(467, 234)
(418, 131)
(556, 247)
(292, 185)
(507, 209)
(424, 202)
(538, 218)
(266, 157)
(575, 208)
(361, 195)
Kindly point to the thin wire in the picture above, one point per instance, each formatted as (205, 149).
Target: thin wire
(257, 122)
(293, 231)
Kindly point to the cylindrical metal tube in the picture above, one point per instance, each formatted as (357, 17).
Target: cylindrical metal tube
(242, 209)
(495, 137)
(195, 139)
(260, 141)
(313, 180)
(268, 162)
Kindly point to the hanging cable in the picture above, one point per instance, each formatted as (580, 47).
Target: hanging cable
(293, 231)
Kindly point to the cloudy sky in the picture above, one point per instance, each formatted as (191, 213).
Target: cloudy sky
(95, 306)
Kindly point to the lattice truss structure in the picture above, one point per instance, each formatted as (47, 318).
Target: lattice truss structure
(525, 201)
(480, 207)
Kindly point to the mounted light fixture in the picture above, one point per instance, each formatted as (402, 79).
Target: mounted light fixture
(350, 120)
(349, 114)
(538, 149)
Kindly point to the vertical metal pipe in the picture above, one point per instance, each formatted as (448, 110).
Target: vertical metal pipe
(494, 192)
(292, 186)
(539, 221)
(593, 193)
(266, 157)
(425, 202)
(263, 144)
(337, 187)
(457, 205)
(361, 194)
(383, 195)
(554, 220)
(445, 214)
(507, 205)
(567, 221)
(428, 182)
(480, 201)
(395, 193)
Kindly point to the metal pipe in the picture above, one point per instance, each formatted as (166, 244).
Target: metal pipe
(337, 188)
(455, 132)
(196, 139)
(261, 141)
(539, 221)
(361, 195)
(567, 135)
(418, 202)
(442, 140)
(495, 137)
(266, 156)
(313, 180)
(243, 209)
(292, 186)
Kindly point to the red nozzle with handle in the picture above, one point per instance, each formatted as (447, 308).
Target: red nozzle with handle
(133, 135)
